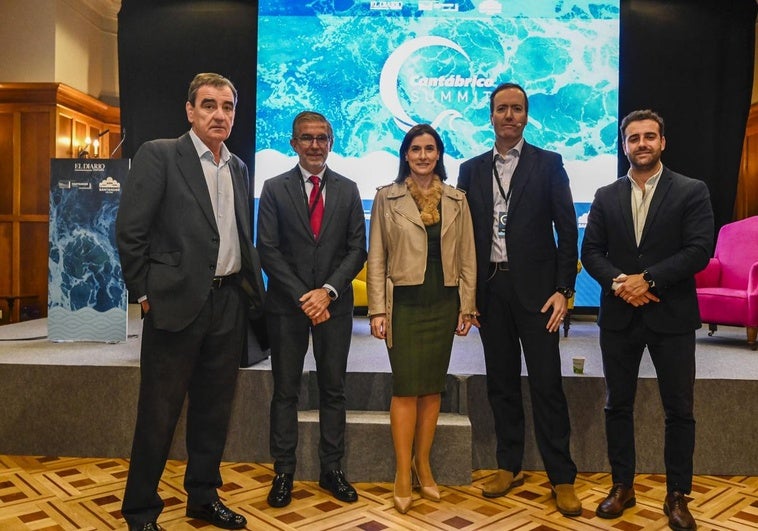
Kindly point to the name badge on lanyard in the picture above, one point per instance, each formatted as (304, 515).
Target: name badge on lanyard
(502, 217)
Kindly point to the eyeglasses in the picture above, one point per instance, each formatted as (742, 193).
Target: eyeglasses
(307, 140)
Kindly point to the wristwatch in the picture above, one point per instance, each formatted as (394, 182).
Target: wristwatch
(331, 293)
(647, 278)
(566, 292)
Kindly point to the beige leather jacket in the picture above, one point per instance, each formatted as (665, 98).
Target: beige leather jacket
(398, 247)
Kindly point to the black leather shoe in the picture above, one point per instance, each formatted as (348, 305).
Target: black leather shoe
(280, 494)
(334, 481)
(619, 499)
(218, 514)
(680, 518)
(150, 526)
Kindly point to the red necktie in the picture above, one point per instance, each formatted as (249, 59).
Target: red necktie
(316, 205)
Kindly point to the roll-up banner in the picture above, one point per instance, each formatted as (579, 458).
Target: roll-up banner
(87, 297)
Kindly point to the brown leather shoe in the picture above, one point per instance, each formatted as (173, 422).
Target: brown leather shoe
(680, 518)
(618, 499)
(501, 482)
(566, 500)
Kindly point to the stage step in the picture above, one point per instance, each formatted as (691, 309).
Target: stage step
(369, 455)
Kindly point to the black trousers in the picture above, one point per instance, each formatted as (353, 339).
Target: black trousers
(674, 358)
(201, 363)
(508, 326)
(289, 335)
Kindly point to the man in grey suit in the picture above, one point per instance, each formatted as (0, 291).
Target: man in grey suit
(312, 240)
(184, 238)
(519, 194)
(647, 235)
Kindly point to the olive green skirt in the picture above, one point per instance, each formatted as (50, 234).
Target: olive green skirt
(424, 318)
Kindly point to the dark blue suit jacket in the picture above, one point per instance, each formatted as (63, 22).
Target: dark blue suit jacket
(676, 243)
(540, 208)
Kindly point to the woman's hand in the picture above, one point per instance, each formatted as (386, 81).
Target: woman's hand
(379, 326)
(464, 324)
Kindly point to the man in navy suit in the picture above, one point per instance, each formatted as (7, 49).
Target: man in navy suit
(519, 194)
(647, 235)
(312, 240)
(184, 238)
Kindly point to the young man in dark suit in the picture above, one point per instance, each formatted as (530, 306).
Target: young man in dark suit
(647, 235)
(312, 240)
(519, 194)
(184, 238)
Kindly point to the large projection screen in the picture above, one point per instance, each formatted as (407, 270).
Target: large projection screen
(377, 68)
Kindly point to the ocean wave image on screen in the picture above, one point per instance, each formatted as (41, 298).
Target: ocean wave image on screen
(374, 76)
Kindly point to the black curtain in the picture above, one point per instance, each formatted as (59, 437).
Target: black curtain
(162, 44)
(692, 62)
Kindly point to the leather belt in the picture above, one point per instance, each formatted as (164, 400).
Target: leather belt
(499, 266)
(228, 280)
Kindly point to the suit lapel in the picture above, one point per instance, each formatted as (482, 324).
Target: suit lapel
(625, 208)
(483, 181)
(294, 187)
(334, 191)
(661, 189)
(190, 168)
(519, 179)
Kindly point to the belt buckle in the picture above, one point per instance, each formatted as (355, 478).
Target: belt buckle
(217, 281)
(501, 266)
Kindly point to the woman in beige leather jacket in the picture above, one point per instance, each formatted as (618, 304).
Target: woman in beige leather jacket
(421, 280)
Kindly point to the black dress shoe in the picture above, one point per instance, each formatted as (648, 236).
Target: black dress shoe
(619, 499)
(680, 518)
(280, 494)
(334, 481)
(218, 514)
(150, 526)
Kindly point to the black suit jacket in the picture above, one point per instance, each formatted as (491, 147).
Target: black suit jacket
(540, 207)
(166, 232)
(293, 259)
(676, 243)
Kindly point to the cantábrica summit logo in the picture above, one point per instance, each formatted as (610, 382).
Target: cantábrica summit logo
(435, 83)
(109, 185)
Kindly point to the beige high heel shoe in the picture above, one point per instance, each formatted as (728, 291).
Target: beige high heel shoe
(402, 503)
(431, 492)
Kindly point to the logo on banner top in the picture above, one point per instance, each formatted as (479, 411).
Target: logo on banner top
(109, 185)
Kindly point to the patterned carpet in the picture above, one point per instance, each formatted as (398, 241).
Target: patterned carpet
(52, 493)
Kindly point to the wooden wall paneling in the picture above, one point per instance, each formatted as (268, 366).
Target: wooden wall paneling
(746, 202)
(64, 144)
(6, 163)
(36, 140)
(6, 260)
(38, 121)
(33, 249)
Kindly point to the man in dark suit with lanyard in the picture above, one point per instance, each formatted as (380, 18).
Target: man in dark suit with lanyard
(518, 195)
(184, 238)
(647, 235)
(312, 240)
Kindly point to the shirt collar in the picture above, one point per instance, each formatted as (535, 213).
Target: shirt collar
(205, 151)
(306, 174)
(515, 150)
(651, 182)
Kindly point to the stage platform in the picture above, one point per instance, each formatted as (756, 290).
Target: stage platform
(79, 399)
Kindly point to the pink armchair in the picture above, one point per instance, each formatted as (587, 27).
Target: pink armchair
(727, 289)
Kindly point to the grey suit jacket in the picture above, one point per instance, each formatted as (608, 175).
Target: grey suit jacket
(293, 259)
(540, 204)
(676, 243)
(166, 232)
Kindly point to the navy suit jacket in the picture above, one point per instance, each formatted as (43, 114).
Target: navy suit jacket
(293, 259)
(167, 236)
(540, 208)
(676, 243)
